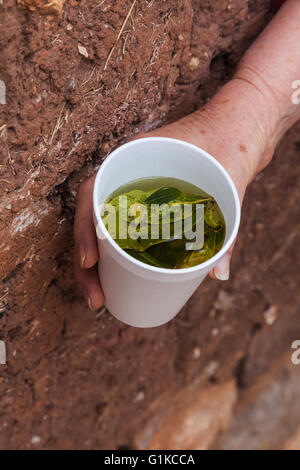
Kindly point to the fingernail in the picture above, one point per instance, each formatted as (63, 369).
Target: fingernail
(91, 305)
(222, 269)
(82, 257)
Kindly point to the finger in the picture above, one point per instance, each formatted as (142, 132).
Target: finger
(88, 280)
(221, 272)
(86, 249)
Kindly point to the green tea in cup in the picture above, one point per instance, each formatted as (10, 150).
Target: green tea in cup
(165, 222)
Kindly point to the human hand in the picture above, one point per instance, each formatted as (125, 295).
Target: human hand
(240, 127)
(207, 128)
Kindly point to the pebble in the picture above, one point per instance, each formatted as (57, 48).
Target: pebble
(70, 84)
(35, 440)
(196, 353)
(194, 63)
(212, 368)
(82, 50)
(140, 396)
(270, 315)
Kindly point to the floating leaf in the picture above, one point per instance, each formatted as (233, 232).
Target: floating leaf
(169, 252)
(163, 196)
(195, 257)
(147, 258)
(220, 238)
(211, 216)
(194, 199)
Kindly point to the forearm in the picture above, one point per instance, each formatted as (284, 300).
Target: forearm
(272, 65)
(258, 101)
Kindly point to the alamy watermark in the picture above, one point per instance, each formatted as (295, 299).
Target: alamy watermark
(296, 94)
(2, 92)
(2, 353)
(295, 358)
(155, 222)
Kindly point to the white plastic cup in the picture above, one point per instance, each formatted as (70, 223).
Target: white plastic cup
(136, 293)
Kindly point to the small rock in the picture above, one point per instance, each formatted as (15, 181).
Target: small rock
(270, 315)
(37, 99)
(70, 84)
(140, 396)
(194, 63)
(82, 50)
(33, 91)
(215, 332)
(196, 353)
(106, 147)
(35, 440)
(211, 368)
